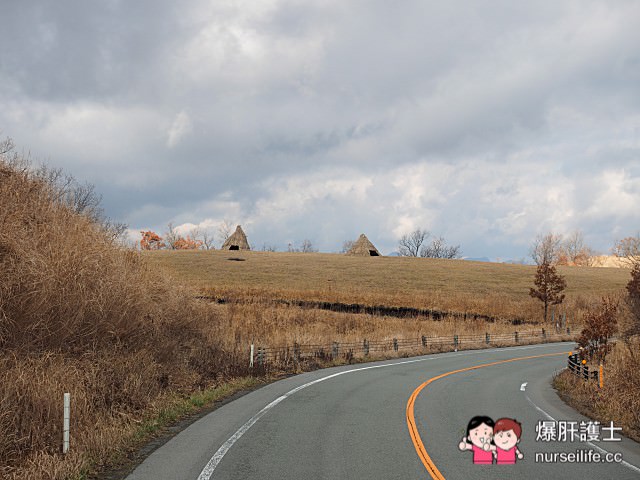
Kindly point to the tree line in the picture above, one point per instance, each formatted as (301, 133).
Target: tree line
(601, 321)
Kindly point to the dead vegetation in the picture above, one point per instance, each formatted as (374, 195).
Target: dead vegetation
(619, 400)
(80, 314)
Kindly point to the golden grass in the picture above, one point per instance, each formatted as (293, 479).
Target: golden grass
(499, 290)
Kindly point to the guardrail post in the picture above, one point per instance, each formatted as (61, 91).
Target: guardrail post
(251, 357)
(516, 336)
(334, 352)
(65, 422)
(544, 334)
(455, 341)
(487, 338)
(585, 372)
(261, 356)
(296, 351)
(568, 331)
(395, 344)
(424, 341)
(365, 347)
(601, 376)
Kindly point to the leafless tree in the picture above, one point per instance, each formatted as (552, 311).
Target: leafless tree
(6, 146)
(347, 245)
(171, 236)
(268, 248)
(307, 246)
(574, 250)
(208, 239)
(115, 230)
(546, 249)
(628, 249)
(224, 231)
(438, 248)
(410, 244)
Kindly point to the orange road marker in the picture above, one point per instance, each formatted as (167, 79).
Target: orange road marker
(411, 421)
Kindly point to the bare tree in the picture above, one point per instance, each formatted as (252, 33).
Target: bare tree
(208, 239)
(268, 248)
(114, 230)
(410, 244)
(171, 237)
(307, 246)
(6, 146)
(574, 251)
(546, 249)
(438, 248)
(224, 231)
(347, 245)
(549, 287)
(628, 249)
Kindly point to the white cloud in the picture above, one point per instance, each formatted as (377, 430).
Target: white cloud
(180, 128)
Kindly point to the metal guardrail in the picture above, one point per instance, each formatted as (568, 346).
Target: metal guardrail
(264, 356)
(580, 368)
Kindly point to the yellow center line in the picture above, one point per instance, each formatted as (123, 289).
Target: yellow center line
(411, 421)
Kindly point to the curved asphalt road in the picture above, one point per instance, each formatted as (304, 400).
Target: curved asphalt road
(354, 425)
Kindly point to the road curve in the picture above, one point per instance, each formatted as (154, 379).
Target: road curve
(351, 422)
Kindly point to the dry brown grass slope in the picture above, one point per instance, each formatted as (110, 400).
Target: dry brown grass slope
(499, 290)
(79, 314)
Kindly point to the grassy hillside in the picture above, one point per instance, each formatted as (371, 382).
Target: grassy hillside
(490, 288)
(80, 314)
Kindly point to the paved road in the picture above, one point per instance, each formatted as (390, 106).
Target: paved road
(352, 424)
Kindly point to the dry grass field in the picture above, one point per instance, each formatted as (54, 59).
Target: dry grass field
(497, 290)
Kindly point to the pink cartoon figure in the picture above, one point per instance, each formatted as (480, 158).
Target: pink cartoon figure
(478, 440)
(506, 436)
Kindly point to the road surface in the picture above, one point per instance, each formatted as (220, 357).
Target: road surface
(379, 421)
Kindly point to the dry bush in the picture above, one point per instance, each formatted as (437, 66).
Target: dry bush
(80, 314)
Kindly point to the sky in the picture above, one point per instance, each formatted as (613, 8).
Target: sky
(485, 122)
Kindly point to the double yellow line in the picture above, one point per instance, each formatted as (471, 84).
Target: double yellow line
(411, 420)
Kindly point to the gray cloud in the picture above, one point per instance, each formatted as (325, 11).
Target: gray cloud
(487, 122)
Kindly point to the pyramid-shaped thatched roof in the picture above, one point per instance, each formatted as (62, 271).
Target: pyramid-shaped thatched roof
(237, 241)
(363, 248)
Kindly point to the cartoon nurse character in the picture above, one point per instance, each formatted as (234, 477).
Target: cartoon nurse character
(478, 440)
(506, 436)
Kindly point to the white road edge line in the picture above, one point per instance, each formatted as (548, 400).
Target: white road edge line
(601, 450)
(211, 465)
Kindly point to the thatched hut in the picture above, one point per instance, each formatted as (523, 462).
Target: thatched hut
(363, 248)
(237, 241)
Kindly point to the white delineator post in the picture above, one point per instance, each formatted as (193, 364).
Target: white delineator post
(65, 428)
(251, 357)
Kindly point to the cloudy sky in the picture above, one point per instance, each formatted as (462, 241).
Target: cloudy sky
(486, 122)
